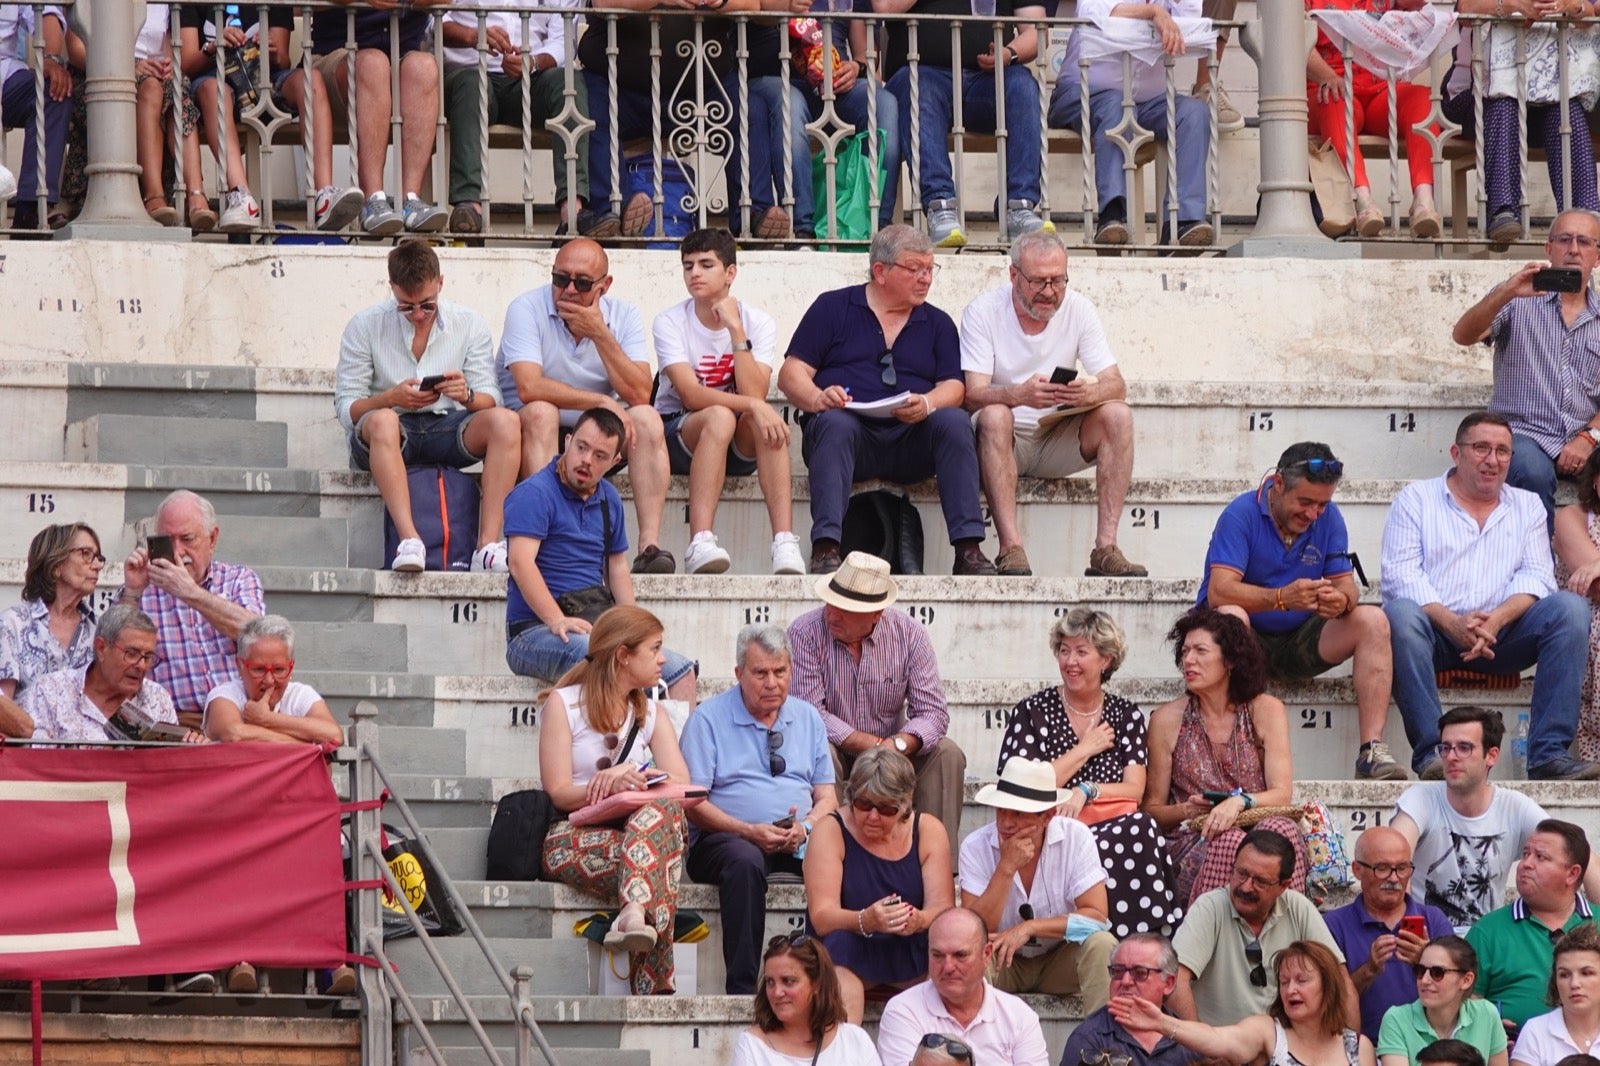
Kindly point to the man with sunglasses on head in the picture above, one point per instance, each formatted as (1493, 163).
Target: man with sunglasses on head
(387, 354)
(570, 346)
(1546, 358)
(1143, 965)
(1227, 940)
(1372, 929)
(1280, 560)
(1017, 344)
(764, 756)
(873, 344)
(1469, 584)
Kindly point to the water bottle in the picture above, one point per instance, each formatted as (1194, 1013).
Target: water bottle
(1519, 747)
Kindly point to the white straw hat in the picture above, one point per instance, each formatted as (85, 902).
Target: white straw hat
(1024, 785)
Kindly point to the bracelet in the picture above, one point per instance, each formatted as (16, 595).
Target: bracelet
(861, 924)
(1172, 1030)
(1277, 595)
(1088, 792)
(472, 394)
(927, 405)
(58, 60)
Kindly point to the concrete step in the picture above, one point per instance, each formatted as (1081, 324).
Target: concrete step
(423, 750)
(349, 645)
(159, 440)
(560, 966)
(232, 490)
(176, 391)
(461, 850)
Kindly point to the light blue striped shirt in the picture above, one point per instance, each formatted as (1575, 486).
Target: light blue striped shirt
(1434, 552)
(375, 354)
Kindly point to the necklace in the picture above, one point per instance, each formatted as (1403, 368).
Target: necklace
(1087, 716)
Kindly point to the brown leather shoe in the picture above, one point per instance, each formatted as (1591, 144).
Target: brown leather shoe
(1013, 562)
(971, 562)
(825, 558)
(1110, 562)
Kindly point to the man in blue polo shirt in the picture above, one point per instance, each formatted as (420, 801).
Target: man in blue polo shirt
(565, 532)
(1280, 559)
(764, 756)
(880, 342)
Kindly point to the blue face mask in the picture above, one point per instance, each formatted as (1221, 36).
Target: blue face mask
(1080, 928)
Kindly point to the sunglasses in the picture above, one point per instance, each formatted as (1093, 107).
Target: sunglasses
(427, 307)
(953, 1047)
(886, 360)
(1258, 972)
(775, 762)
(605, 762)
(863, 805)
(1435, 972)
(561, 281)
(1105, 1058)
(1319, 468)
(796, 939)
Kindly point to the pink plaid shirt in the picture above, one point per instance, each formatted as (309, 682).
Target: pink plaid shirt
(195, 657)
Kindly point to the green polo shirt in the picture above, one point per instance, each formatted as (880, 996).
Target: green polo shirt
(1405, 1030)
(1515, 954)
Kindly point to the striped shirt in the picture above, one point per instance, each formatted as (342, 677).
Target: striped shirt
(375, 354)
(1546, 376)
(893, 688)
(195, 657)
(1434, 552)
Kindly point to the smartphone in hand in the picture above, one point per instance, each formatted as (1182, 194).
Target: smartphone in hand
(1063, 375)
(159, 545)
(1415, 924)
(1213, 796)
(1558, 279)
(431, 383)
(786, 822)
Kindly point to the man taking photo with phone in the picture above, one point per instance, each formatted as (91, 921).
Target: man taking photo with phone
(1545, 330)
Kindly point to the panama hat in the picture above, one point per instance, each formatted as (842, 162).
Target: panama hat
(1024, 785)
(861, 584)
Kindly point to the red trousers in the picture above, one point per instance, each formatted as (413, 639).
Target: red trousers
(1371, 97)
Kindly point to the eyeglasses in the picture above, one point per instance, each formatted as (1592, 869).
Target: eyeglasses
(1252, 955)
(1242, 878)
(1435, 972)
(1580, 239)
(133, 655)
(1139, 973)
(795, 939)
(1386, 869)
(1482, 449)
(427, 307)
(605, 762)
(929, 271)
(775, 762)
(1461, 748)
(1105, 1058)
(953, 1047)
(561, 281)
(863, 805)
(1319, 468)
(1042, 283)
(261, 670)
(886, 360)
(87, 554)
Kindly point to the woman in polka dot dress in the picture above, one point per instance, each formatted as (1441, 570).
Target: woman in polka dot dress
(1096, 742)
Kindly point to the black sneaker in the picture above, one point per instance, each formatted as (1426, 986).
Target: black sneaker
(1565, 768)
(652, 560)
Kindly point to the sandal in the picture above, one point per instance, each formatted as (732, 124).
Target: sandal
(202, 219)
(163, 212)
(1425, 223)
(633, 941)
(1369, 222)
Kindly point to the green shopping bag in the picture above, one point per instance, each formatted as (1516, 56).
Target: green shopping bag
(855, 179)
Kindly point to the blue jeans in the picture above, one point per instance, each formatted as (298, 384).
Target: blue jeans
(536, 652)
(1554, 633)
(806, 107)
(1535, 471)
(16, 101)
(937, 101)
(1105, 113)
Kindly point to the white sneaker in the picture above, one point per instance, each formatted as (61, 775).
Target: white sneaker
(491, 558)
(336, 208)
(8, 184)
(786, 557)
(241, 215)
(706, 555)
(410, 557)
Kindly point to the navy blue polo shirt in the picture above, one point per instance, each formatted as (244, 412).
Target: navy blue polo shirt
(570, 531)
(1355, 929)
(840, 337)
(372, 30)
(1246, 539)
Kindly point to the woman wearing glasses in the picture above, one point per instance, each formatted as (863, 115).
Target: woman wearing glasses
(1095, 741)
(598, 734)
(1577, 546)
(877, 873)
(262, 703)
(1218, 751)
(1573, 1028)
(1444, 1008)
(53, 627)
(1303, 1027)
(800, 1014)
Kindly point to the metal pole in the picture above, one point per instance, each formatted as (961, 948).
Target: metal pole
(376, 1020)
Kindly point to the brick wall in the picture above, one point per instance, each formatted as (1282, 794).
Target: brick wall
(148, 1040)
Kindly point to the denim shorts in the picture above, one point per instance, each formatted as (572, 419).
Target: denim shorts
(679, 456)
(426, 439)
(537, 652)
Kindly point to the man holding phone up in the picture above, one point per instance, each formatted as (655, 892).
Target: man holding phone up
(1544, 325)
(414, 387)
(1036, 415)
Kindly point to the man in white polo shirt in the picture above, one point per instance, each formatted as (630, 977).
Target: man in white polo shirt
(1019, 345)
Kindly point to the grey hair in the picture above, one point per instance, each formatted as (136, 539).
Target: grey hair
(1168, 957)
(114, 619)
(771, 638)
(891, 242)
(885, 773)
(939, 1055)
(1099, 628)
(1592, 216)
(1036, 242)
(208, 513)
(266, 627)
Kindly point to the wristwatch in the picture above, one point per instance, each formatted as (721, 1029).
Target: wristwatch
(1593, 434)
(746, 345)
(901, 746)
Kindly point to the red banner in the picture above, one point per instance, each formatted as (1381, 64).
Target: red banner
(168, 860)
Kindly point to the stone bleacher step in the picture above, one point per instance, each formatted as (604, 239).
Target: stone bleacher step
(422, 751)
(175, 391)
(156, 440)
(349, 646)
(560, 965)
(232, 490)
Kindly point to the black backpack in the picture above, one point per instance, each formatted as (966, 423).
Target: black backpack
(886, 524)
(516, 839)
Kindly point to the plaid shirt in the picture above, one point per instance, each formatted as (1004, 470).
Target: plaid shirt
(1546, 376)
(61, 711)
(195, 657)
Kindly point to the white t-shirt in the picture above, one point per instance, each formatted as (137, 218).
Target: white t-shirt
(681, 338)
(1069, 867)
(153, 33)
(297, 699)
(1545, 1041)
(1462, 862)
(992, 342)
(588, 747)
(851, 1046)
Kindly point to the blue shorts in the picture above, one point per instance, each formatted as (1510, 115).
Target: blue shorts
(426, 439)
(537, 652)
(679, 455)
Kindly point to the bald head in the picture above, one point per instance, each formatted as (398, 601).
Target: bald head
(1381, 840)
(1383, 869)
(583, 256)
(959, 923)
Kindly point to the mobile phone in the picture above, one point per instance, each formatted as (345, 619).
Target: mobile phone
(1213, 796)
(654, 779)
(1558, 279)
(159, 545)
(1063, 375)
(786, 822)
(431, 383)
(1415, 924)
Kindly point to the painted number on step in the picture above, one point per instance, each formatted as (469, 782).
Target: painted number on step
(1260, 421)
(196, 379)
(133, 306)
(464, 612)
(922, 612)
(1402, 422)
(41, 503)
(759, 613)
(695, 1035)
(497, 895)
(276, 270)
(101, 600)
(1312, 718)
(1144, 518)
(59, 304)
(796, 921)
(445, 788)
(1360, 820)
(378, 685)
(523, 714)
(324, 581)
(995, 717)
(257, 481)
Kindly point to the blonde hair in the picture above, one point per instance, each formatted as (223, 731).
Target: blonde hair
(600, 686)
